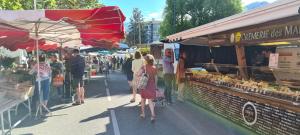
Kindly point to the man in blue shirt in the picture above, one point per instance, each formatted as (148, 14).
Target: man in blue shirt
(77, 71)
(168, 70)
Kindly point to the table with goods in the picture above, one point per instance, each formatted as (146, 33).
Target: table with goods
(263, 107)
(15, 89)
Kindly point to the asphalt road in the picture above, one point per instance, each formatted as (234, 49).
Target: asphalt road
(107, 111)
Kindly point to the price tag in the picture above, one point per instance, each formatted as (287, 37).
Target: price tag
(273, 60)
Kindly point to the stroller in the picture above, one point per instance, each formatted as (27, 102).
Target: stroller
(160, 98)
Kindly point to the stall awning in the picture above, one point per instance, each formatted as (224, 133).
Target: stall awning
(44, 47)
(277, 10)
(63, 26)
(10, 36)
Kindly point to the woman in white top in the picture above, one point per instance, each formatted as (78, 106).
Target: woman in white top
(137, 64)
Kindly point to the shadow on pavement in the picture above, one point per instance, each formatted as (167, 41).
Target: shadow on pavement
(102, 115)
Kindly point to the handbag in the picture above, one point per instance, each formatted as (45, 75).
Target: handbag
(58, 80)
(143, 81)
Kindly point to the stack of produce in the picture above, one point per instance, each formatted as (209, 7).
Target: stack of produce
(11, 88)
(250, 86)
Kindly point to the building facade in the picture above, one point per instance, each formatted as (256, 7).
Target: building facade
(152, 31)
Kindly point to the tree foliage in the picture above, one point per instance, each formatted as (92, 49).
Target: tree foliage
(136, 27)
(48, 4)
(185, 14)
(77, 4)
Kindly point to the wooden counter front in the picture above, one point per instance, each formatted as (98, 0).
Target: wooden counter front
(274, 116)
(283, 104)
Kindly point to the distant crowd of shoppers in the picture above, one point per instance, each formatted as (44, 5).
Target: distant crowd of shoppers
(67, 75)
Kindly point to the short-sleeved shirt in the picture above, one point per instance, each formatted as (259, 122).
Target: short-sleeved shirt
(137, 65)
(77, 66)
(57, 68)
(44, 71)
(168, 67)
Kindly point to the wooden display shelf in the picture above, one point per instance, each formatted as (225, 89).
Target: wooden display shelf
(276, 102)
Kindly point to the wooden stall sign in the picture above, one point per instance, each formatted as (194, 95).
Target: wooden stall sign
(268, 33)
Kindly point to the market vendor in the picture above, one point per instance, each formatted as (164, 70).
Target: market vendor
(180, 75)
(168, 70)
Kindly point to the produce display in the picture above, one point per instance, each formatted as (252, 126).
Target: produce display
(15, 84)
(250, 86)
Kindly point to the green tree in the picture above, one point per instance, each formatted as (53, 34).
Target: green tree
(77, 4)
(48, 4)
(136, 28)
(192, 13)
(176, 17)
(217, 9)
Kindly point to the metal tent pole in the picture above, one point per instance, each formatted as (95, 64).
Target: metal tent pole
(34, 4)
(41, 104)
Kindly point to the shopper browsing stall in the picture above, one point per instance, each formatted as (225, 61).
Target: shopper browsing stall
(149, 92)
(43, 79)
(67, 77)
(127, 68)
(57, 75)
(137, 64)
(77, 70)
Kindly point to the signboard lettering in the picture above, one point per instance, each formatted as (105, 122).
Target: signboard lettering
(269, 33)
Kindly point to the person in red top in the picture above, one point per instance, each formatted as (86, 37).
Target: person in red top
(150, 91)
(180, 75)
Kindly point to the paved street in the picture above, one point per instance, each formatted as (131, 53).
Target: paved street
(107, 111)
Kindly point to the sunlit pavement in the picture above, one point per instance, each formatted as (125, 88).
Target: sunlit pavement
(107, 111)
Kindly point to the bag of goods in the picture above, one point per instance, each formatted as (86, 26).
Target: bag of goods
(93, 72)
(58, 81)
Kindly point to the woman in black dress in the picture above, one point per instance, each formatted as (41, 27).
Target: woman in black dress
(128, 71)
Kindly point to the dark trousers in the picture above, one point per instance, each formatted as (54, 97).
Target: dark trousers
(67, 84)
(168, 79)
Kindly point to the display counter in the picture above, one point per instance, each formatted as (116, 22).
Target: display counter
(250, 104)
(15, 89)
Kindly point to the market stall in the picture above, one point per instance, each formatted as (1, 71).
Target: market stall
(247, 71)
(15, 89)
(29, 29)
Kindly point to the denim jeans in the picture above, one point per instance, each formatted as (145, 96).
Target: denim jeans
(45, 89)
(168, 79)
(60, 90)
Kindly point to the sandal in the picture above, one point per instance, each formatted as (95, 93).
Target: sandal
(132, 100)
(152, 119)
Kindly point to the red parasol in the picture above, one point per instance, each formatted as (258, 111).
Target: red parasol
(105, 23)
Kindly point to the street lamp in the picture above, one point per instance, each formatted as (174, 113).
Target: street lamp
(140, 38)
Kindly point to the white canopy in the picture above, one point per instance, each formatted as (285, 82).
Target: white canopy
(55, 31)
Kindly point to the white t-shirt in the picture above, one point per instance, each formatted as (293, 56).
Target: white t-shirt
(137, 65)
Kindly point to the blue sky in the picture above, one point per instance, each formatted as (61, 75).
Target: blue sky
(150, 8)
